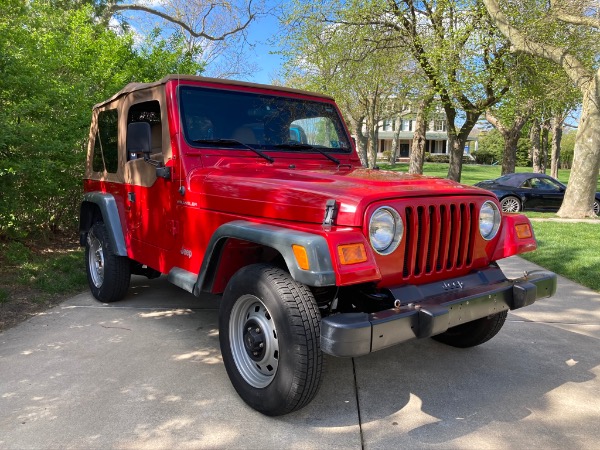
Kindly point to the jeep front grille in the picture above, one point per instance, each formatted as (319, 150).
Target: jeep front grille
(438, 238)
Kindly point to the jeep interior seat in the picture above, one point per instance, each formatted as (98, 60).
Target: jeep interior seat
(245, 134)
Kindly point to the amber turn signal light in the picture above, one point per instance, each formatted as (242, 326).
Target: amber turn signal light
(523, 231)
(352, 253)
(301, 256)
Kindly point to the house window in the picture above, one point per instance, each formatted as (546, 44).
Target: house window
(439, 125)
(388, 125)
(407, 125)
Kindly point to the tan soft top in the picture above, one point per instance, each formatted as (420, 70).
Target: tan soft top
(132, 87)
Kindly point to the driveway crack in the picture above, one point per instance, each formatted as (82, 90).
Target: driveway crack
(362, 441)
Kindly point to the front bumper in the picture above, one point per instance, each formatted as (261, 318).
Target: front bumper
(431, 309)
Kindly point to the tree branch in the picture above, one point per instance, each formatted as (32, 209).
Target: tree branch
(558, 13)
(197, 34)
(575, 70)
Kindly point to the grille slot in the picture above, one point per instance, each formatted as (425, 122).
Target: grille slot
(438, 238)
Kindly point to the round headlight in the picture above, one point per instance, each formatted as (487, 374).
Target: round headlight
(489, 220)
(385, 230)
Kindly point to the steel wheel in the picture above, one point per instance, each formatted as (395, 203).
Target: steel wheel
(95, 259)
(510, 204)
(108, 274)
(254, 344)
(269, 331)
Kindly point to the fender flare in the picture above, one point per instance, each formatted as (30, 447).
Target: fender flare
(321, 272)
(110, 215)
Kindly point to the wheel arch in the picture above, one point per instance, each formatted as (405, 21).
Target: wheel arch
(102, 206)
(218, 266)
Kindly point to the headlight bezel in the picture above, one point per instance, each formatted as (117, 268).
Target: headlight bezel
(496, 220)
(396, 234)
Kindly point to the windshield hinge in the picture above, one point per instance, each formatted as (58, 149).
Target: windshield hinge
(330, 214)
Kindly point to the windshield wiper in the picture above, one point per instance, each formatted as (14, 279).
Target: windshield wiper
(310, 147)
(233, 142)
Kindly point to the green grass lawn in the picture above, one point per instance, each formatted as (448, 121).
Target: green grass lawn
(569, 249)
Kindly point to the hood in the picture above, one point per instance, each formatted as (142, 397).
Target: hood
(300, 195)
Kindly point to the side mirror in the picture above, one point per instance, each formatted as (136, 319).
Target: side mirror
(139, 139)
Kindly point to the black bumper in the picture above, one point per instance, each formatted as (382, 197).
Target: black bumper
(431, 309)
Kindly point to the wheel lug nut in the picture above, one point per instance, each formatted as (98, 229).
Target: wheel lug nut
(261, 345)
(255, 353)
(257, 330)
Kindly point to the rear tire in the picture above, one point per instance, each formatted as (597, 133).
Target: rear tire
(269, 331)
(108, 274)
(596, 207)
(510, 204)
(473, 333)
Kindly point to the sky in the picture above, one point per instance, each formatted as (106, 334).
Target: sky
(262, 34)
(264, 29)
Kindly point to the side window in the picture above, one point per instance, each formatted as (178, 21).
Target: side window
(147, 112)
(106, 143)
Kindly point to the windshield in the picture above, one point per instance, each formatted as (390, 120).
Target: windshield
(220, 118)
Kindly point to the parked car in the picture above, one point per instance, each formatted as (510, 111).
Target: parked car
(530, 191)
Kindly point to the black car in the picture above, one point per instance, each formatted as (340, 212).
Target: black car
(531, 191)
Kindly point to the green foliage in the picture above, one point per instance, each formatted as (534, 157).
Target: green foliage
(567, 148)
(491, 148)
(56, 62)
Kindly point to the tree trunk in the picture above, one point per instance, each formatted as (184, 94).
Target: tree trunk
(361, 139)
(534, 136)
(511, 136)
(509, 159)
(556, 138)
(395, 145)
(544, 146)
(372, 132)
(456, 146)
(417, 151)
(457, 141)
(371, 143)
(581, 189)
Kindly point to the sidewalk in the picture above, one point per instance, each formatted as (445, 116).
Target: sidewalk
(147, 373)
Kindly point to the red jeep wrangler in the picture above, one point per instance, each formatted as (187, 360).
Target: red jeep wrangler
(256, 193)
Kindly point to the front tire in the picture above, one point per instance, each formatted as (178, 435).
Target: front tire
(473, 333)
(108, 274)
(269, 331)
(510, 204)
(596, 207)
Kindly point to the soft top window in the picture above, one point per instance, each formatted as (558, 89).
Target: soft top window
(264, 121)
(106, 156)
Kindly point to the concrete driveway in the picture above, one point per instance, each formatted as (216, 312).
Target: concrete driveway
(147, 373)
